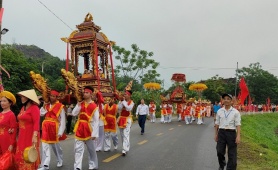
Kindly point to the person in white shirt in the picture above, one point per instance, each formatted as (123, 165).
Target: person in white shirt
(227, 133)
(142, 111)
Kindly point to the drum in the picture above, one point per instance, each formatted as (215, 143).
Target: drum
(30, 154)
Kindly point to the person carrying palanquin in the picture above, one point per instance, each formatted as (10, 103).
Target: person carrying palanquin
(125, 119)
(86, 129)
(110, 110)
(152, 109)
(53, 128)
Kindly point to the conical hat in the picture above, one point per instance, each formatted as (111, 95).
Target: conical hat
(30, 94)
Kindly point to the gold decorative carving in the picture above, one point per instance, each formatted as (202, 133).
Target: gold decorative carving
(73, 33)
(129, 85)
(41, 85)
(88, 18)
(72, 84)
(104, 37)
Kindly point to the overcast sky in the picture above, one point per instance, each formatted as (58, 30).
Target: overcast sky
(200, 38)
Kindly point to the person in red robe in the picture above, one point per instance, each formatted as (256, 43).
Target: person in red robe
(152, 109)
(110, 110)
(86, 129)
(187, 110)
(53, 127)
(8, 125)
(125, 120)
(179, 111)
(29, 126)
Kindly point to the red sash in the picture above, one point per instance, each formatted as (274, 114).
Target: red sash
(51, 123)
(82, 128)
(179, 109)
(187, 111)
(163, 110)
(169, 110)
(197, 111)
(152, 108)
(124, 115)
(110, 118)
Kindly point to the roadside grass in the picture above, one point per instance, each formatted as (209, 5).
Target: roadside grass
(258, 149)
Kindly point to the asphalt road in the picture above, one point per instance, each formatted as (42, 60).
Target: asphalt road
(163, 146)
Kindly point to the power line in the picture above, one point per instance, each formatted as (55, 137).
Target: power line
(55, 15)
(208, 68)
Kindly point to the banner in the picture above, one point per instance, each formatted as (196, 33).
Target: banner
(244, 92)
(1, 14)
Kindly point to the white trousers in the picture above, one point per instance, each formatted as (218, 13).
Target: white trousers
(100, 140)
(170, 117)
(56, 147)
(107, 140)
(125, 134)
(200, 121)
(187, 119)
(162, 118)
(79, 147)
(179, 117)
(166, 118)
(152, 115)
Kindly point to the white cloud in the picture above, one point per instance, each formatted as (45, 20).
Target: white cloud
(204, 37)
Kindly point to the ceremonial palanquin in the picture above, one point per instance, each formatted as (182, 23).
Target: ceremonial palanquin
(178, 95)
(92, 50)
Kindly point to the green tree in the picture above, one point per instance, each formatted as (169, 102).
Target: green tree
(261, 83)
(135, 65)
(19, 67)
(217, 86)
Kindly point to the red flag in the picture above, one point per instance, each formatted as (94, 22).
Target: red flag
(1, 14)
(244, 92)
(268, 101)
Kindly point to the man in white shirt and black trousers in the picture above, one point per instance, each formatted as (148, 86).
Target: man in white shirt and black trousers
(143, 112)
(227, 133)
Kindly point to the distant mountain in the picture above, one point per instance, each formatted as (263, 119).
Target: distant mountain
(32, 51)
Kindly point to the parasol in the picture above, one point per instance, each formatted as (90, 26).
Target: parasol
(198, 87)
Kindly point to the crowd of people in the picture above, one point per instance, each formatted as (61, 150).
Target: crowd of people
(95, 124)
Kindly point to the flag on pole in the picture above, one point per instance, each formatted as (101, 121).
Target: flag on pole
(1, 14)
(244, 92)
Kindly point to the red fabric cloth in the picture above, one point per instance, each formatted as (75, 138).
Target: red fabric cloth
(83, 129)
(187, 111)
(110, 112)
(51, 123)
(169, 109)
(244, 92)
(7, 161)
(7, 121)
(29, 121)
(123, 117)
(1, 14)
(179, 108)
(268, 101)
(152, 108)
(198, 111)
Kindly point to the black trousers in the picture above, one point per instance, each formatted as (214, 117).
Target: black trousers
(141, 121)
(227, 138)
(69, 120)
